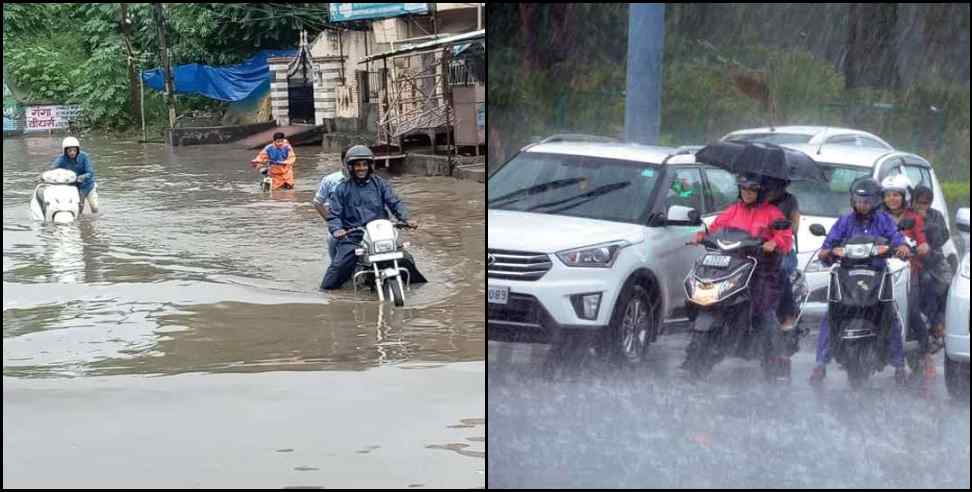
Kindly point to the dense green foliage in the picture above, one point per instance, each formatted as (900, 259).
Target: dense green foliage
(562, 68)
(76, 52)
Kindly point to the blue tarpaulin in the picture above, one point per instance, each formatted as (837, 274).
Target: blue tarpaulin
(228, 83)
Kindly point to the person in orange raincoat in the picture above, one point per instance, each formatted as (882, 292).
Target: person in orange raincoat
(279, 158)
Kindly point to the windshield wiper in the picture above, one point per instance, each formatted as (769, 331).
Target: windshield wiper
(533, 190)
(584, 197)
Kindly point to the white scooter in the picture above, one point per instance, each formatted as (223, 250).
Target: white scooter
(56, 200)
(378, 260)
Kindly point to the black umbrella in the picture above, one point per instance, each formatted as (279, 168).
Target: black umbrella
(763, 159)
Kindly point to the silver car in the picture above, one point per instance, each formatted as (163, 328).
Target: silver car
(957, 322)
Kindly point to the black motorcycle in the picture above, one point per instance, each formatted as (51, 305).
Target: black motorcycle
(861, 305)
(720, 303)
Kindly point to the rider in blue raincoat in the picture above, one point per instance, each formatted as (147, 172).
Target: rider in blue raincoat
(355, 202)
(75, 160)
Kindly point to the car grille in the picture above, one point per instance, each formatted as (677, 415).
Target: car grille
(516, 265)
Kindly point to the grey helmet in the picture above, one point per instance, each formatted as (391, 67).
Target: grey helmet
(358, 153)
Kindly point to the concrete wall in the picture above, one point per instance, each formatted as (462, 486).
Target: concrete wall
(215, 135)
(279, 105)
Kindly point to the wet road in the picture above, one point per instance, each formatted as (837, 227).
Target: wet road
(191, 278)
(568, 426)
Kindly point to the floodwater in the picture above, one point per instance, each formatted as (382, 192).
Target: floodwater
(178, 337)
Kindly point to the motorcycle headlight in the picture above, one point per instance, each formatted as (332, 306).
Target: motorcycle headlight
(859, 251)
(592, 257)
(384, 246)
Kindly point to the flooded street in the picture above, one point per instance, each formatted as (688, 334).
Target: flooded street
(178, 338)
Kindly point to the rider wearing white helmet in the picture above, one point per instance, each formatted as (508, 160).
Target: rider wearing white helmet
(896, 192)
(74, 159)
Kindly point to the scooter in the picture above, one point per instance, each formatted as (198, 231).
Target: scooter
(378, 260)
(56, 199)
(720, 303)
(862, 306)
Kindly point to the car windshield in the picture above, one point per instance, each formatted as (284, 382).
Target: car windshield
(831, 199)
(576, 186)
(772, 138)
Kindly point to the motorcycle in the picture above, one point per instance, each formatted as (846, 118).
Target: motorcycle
(861, 305)
(56, 199)
(720, 303)
(378, 260)
(266, 184)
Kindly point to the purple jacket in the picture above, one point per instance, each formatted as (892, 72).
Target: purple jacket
(880, 224)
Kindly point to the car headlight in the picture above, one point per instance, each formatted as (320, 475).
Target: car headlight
(593, 256)
(965, 269)
(384, 246)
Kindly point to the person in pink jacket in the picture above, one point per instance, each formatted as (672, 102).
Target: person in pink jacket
(755, 215)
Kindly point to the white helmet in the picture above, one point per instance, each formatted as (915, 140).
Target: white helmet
(898, 183)
(70, 142)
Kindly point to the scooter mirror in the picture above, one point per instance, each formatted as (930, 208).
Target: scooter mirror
(818, 230)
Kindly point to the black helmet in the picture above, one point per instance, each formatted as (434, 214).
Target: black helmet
(359, 153)
(749, 179)
(867, 189)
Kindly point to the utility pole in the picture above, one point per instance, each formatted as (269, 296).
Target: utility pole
(133, 87)
(435, 28)
(646, 42)
(167, 67)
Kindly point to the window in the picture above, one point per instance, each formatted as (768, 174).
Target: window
(685, 189)
(916, 176)
(722, 190)
(576, 186)
(771, 138)
(843, 140)
(870, 143)
(831, 199)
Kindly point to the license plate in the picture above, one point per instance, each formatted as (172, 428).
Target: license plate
(498, 295)
(706, 295)
(716, 261)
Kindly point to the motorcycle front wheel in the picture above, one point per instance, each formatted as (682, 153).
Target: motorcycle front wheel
(395, 292)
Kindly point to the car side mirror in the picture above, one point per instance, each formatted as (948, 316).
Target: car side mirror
(818, 230)
(962, 220)
(906, 224)
(679, 215)
(782, 224)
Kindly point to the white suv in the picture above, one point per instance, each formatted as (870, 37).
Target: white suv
(588, 238)
(957, 322)
(812, 135)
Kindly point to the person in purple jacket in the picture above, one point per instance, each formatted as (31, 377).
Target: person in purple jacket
(864, 219)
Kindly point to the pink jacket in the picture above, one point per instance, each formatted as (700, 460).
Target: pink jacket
(757, 220)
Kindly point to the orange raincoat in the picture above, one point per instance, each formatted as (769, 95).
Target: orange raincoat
(282, 173)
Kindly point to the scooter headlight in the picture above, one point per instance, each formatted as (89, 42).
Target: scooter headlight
(731, 284)
(859, 251)
(386, 246)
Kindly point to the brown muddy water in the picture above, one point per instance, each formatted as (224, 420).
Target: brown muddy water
(178, 338)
